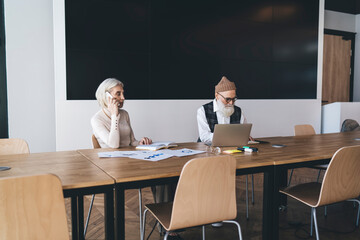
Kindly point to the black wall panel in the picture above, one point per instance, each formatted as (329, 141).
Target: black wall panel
(180, 49)
(345, 6)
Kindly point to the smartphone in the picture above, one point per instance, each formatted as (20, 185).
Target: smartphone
(107, 96)
(111, 97)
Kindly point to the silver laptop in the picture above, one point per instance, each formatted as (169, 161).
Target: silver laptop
(231, 135)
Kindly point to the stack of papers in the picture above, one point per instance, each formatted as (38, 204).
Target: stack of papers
(151, 155)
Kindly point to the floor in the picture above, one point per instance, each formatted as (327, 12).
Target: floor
(294, 221)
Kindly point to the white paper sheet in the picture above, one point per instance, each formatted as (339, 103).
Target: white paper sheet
(181, 152)
(120, 153)
(151, 155)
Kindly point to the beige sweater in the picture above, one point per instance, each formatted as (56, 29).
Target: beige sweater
(115, 132)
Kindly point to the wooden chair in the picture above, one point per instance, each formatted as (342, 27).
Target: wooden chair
(205, 194)
(303, 130)
(97, 145)
(95, 142)
(246, 190)
(307, 129)
(10, 146)
(32, 207)
(341, 182)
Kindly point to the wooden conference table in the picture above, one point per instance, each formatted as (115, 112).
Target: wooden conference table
(78, 176)
(299, 152)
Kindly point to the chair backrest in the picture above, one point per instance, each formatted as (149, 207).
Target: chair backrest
(32, 207)
(304, 129)
(205, 192)
(349, 125)
(95, 142)
(342, 178)
(13, 146)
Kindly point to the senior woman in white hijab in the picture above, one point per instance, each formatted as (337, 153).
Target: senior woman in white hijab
(111, 125)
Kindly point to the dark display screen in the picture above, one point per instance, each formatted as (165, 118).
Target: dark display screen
(180, 49)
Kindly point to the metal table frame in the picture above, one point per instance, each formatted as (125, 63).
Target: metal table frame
(77, 209)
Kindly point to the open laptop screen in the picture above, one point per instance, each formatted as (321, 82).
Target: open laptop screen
(231, 135)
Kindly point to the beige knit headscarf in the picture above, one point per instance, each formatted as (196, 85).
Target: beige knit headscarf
(225, 85)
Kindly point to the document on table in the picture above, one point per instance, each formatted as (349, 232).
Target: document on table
(151, 155)
(117, 154)
(181, 152)
(143, 155)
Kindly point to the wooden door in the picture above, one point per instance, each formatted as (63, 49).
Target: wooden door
(336, 69)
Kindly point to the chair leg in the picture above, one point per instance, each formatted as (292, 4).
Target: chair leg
(291, 173)
(89, 213)
(357, 218)
(166, 235)
(203, 232)
(311, 224)
(247, 197)
(143, 224)
(318, 177)
(325, 212)
(140, 214)
(238, 226)
(252, 189)
(313, 210)
(358, 215)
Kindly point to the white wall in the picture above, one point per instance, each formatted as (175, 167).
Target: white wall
(175, 120)
(339, 21)
(30, 72)
(36, 67)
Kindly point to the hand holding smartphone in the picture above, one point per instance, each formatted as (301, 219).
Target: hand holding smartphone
(114, 109)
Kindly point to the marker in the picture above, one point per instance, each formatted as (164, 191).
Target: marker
(231, 151)
(248, 149)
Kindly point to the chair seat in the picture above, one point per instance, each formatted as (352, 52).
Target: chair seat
(307, 193)
(162, 212)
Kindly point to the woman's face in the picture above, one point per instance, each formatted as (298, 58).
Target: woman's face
(117, 92)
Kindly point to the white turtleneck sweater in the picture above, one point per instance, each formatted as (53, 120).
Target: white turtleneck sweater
(113, 131)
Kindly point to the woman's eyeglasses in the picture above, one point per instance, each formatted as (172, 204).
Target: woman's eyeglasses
(228, 100)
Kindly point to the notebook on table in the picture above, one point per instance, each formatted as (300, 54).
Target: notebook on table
(156, 146)
(231, 135)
